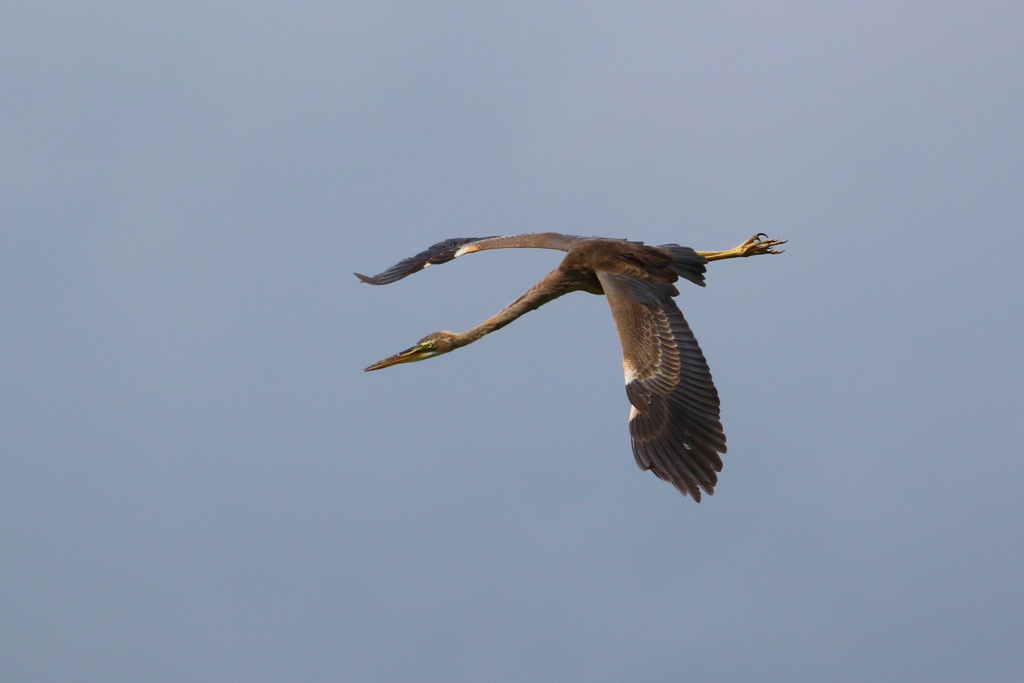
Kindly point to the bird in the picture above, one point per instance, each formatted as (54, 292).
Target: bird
(675, 418)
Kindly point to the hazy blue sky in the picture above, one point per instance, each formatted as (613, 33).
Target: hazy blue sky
(199, 483)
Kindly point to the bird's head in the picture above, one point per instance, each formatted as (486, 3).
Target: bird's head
(434, 344)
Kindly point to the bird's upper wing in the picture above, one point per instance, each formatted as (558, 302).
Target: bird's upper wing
(674, 422)
(445, 251)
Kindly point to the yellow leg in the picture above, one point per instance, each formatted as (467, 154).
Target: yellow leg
(756, 245)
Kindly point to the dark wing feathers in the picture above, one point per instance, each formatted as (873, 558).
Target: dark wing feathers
(445, 251)
(674, 422)
(442, 252)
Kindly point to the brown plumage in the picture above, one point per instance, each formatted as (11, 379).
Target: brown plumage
(674, 421)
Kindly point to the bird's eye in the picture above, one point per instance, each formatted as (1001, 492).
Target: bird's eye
(427, 346)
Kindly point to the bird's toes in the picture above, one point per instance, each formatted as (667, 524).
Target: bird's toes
(761, 244)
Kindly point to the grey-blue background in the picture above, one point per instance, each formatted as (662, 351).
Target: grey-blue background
(198, 482)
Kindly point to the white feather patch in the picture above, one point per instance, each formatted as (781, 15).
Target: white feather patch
(629, 372)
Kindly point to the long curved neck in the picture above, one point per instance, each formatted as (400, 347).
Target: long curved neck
(551, 286)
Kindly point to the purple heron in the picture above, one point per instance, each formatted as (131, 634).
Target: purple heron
(674, 421)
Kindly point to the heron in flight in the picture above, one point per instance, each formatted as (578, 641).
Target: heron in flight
(674, 421)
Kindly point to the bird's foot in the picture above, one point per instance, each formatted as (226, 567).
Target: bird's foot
(755, 246)
(760, 244)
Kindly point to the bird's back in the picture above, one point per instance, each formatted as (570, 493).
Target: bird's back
(623, 258)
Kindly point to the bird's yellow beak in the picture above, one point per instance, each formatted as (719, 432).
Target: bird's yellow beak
(418, 352)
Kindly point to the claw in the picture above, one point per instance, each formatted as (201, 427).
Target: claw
(760, 244)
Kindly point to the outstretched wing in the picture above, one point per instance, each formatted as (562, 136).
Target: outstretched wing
(442, 252)
(449, 249)
(675, 419)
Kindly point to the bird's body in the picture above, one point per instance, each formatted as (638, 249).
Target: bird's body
(674, 420)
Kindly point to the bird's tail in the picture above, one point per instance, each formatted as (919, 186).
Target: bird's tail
(686, 263)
